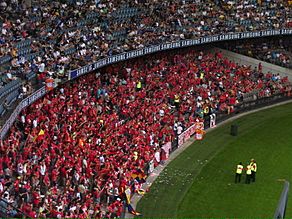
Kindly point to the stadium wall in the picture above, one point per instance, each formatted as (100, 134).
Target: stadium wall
(137, 53)
(254, 63)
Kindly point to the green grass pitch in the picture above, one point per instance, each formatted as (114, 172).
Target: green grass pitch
(200, 182)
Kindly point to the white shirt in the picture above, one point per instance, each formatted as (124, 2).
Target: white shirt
(161, 112)
(179, 130)
(20, 168)
(1, 187)
(42, 67)
(101, 159)
(22, 119)
(35, 123)
(43, 169)
(24, 89)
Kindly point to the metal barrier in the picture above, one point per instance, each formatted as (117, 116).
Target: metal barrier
(7, 210)
(281, 209)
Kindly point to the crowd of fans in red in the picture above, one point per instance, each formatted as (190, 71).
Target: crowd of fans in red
(86, 139)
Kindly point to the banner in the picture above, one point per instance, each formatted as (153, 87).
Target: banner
(173, 45)
(183, 137)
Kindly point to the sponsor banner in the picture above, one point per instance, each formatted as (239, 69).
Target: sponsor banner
(173, 45)
(183, 137)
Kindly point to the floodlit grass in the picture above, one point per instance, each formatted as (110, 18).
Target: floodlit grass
(200, 182)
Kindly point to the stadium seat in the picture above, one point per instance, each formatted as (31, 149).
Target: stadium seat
(31, 75)
(5, 59)
(11, 98)
(2, 110)
(11, 86)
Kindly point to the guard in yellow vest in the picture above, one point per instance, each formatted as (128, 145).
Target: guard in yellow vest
(238, 172)
(139, 85)
(135, 156)
(253, 165)
(248, 174)
(176, 101)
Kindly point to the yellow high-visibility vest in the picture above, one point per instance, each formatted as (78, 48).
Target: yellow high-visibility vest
(239, 169)
(206, 110)
(254, 167)
(139, 85)
(248, 171)
(135, 155)
(176, 99)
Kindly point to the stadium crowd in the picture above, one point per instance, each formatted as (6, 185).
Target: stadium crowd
(74, 152)
(277, 51)
(64, 35)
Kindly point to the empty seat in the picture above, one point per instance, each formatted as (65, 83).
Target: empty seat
(11, 86)
(31, 75)
(12, 97)
(5, 59)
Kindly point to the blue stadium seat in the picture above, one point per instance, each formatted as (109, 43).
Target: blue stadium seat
(23, 43)
(11, 86)
(24, 51)
(70, 51)
(5, 59)
(5, 79)
(12, 97)
(30, 76)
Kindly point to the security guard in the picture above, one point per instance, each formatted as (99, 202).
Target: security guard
(253, 165)
(248, 174)
(135, 156)
(176, 101)
(139, 86)
(238, 172)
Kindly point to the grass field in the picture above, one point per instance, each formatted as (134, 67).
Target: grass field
(200, 182)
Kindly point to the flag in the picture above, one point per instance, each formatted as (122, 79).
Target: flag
(42, 132)
(132, 211)
(128, 195)
(40, 136)
(139, 175)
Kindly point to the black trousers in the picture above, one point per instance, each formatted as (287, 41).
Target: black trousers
(247, 179)
(253, 176)
(237, 177)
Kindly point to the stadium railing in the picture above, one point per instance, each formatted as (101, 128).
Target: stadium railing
(7, 210)
(281, 209)
(136, 53)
